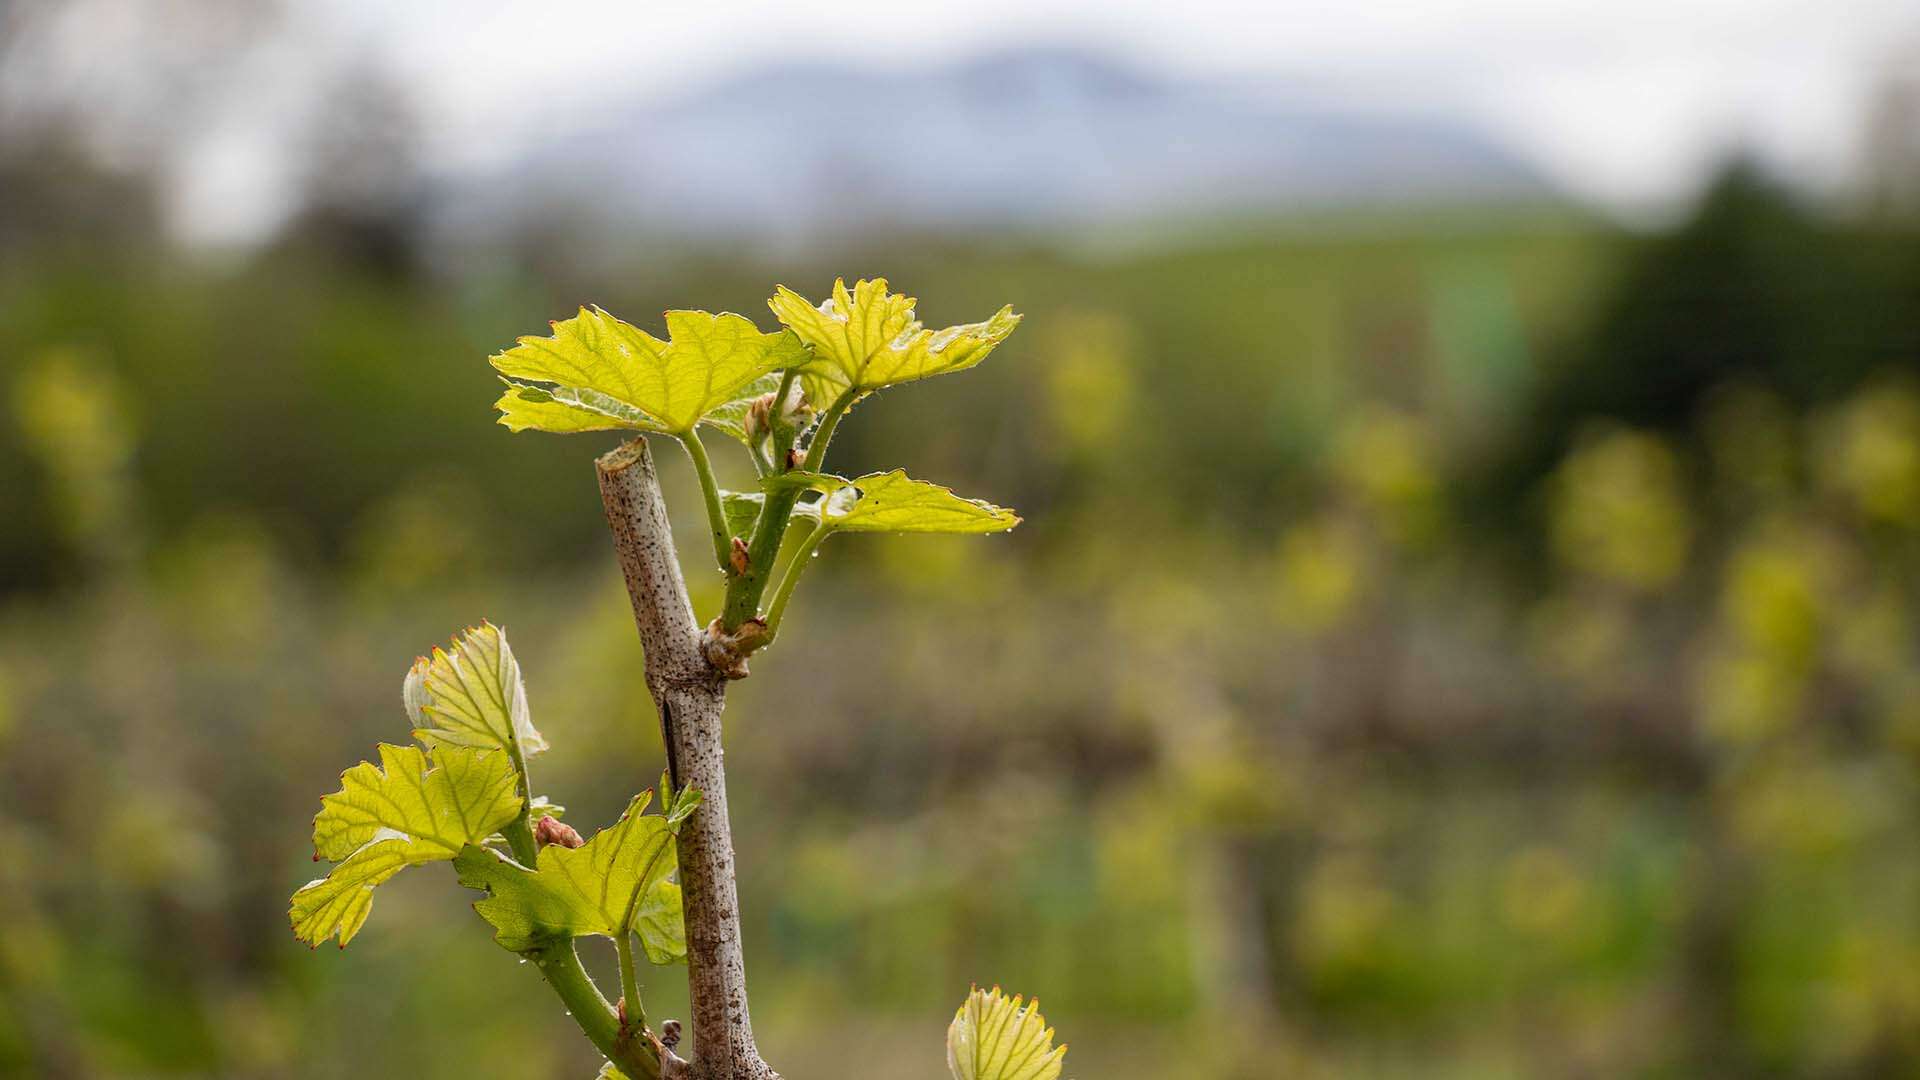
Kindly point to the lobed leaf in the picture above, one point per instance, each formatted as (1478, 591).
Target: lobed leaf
(895, 502)
(472, 695)
(339, 903)
(598, 373)
(585, 890)
(386, 819)
(994, 1037)
(441, 806)
(867, 338)
(564, 410)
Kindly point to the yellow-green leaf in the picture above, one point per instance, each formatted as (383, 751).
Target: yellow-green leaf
(567, 409)
(994, 1037)
(592, 889)
(895, 502)
(340, 902)
(471, 695)
(467, 795)
(661, 924)
(867, 338)
(386, 819)
(597, 372)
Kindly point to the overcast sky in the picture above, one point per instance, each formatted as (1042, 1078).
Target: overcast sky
(1623, 102)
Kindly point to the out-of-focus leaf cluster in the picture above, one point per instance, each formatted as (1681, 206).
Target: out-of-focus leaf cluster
(1509, 630)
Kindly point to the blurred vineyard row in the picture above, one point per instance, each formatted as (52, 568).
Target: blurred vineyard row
(1473, 646)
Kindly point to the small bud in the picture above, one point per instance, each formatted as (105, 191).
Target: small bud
(739, 556)
(758, 421)
(793, 459)
(551, 830)
(727, 650)
(669, 1033)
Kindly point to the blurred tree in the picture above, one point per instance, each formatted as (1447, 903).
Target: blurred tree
(1754, 288)
(361, 191)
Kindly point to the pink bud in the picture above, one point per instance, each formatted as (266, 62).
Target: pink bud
(551, 830)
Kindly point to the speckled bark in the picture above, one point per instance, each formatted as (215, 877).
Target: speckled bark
(690, 695)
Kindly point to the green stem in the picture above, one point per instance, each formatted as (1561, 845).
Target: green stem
(560, 965)
(795, 567)
(782, 433)
(817, 450)
(519, 831)
(745, 590)
(716, 512)
(623, 945)
(630, 982)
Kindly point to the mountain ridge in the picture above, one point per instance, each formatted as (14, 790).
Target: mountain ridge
(1029, 138)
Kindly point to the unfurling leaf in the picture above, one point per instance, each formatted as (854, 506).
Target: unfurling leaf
(472, 696)
(994, 1037)
(895, 502)
(593, 889)
(598, 373)
(397, 815)
(868, 338)
(677, 807)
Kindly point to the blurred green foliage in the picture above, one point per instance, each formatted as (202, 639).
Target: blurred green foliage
(1442, 647)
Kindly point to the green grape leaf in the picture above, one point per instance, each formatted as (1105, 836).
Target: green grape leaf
(585, 890)
(340, 902)
(868, 338)
(564, 410)
(471, 696)
(398, 815)
(662, 926)
(994, 1037)
(442, 805)
(895, 502)
(597, 372)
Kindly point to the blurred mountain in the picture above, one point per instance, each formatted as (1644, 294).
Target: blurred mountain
(1034, 137)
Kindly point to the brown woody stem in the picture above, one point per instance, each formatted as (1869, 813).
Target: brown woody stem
(690, 695)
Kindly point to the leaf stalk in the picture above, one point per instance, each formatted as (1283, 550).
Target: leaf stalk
(797, 565)
(710, 489)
